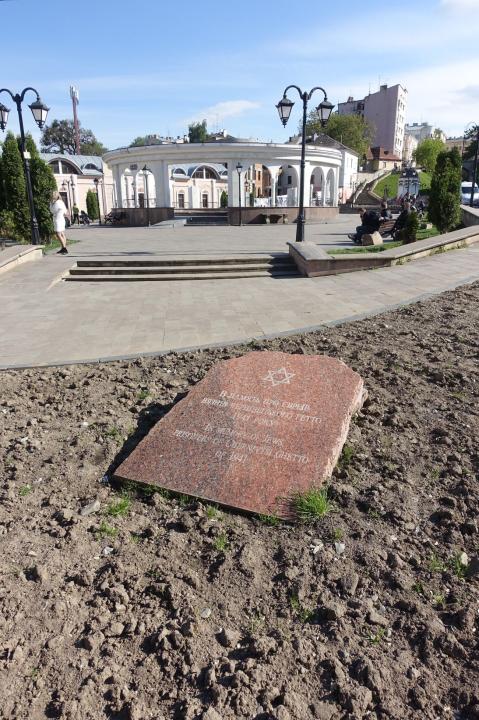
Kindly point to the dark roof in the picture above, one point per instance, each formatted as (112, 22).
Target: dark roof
(324, 140)
(379, 153)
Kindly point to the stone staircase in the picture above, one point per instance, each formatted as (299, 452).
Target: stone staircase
(208, 216)
(278, 265)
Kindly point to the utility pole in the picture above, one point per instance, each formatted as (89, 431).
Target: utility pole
(74, 94)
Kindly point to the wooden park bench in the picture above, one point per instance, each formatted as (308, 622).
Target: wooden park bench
(386, 228)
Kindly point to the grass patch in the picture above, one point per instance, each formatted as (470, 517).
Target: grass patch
(436, 565)
(302, 613)
(212, 512)
(256, 623)
(25, 490)
(391, 182)
(105, 530)
(271, 520)
(113, 432)
(221, 543)
(346, 456)
(312, 505)
(119, 508)
(458, 567)
(377, 637)
(55, 244)
(366, 249)
(143, 394)
(423, 234)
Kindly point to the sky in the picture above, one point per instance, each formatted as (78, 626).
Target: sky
(154, 67)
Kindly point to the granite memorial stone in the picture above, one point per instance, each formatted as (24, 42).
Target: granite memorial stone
(255, 431)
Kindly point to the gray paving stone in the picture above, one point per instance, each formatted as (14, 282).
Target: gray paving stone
(47, 321)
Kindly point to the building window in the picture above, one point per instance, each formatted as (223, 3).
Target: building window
(55, 166)
(181, 200)
(68, 168)
(289, 179)
(204, 200)
(205, 173)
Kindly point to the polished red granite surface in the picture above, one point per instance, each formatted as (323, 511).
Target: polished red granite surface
(253, 432)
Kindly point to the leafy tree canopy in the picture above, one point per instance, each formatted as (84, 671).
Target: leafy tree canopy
(427, 152)
(350, 130)
(59, 137)
(470, 147)
(142, 140)
(198, 132)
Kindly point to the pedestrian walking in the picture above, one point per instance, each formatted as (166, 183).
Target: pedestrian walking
(59, 212)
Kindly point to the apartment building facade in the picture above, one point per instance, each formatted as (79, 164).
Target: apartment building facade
(386, 111)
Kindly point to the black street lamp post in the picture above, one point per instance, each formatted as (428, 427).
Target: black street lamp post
(146, 170)
(97, 183)
(239, 168)
(474, 168)
(324, 110)
(40, 112)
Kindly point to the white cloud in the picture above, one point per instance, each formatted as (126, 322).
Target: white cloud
(444, 95)
(461, 4)
(216, 114)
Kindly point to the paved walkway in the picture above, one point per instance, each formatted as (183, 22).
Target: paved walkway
(46, 321)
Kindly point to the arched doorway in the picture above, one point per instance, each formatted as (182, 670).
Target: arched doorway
(317, 187)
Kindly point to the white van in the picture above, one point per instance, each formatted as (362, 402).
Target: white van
(466, 188)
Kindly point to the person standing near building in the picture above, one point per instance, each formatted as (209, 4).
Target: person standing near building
(59, 213)
(76, 215)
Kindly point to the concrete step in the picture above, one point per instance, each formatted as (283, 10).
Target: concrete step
(184, 269)
(181, 262)
(182, 276)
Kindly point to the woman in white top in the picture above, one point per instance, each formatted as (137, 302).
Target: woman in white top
(59, 212)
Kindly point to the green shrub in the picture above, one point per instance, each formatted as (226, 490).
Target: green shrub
(411, 229)
(92, 208)
(8, 227)
(444, 197)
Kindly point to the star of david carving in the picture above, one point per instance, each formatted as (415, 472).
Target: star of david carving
(279, 377)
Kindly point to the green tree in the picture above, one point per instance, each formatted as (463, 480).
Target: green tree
(59, 137)
(470, 148)
(143, 140)
(427, 152)
(224, 199)
(14, 187)
(350, 130)
(198, 132)
(92, 205)
(43, 186)
(444, 195)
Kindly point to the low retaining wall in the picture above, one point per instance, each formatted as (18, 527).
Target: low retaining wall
(18, 254)
(313, 261)
(136, 217)
(256, 215)
(470, 216)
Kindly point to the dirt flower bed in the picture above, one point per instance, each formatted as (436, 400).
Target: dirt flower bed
(126, 605)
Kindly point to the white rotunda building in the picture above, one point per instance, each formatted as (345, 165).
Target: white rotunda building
(262, 179)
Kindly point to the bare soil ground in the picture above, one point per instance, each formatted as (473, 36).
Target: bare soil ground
(156, 607)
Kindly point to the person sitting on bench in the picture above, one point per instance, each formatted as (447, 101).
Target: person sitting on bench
(369, 224)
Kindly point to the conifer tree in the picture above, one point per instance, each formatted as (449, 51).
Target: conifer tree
(43, 186)
(444, 195)
(14, 187)
(92, 205)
